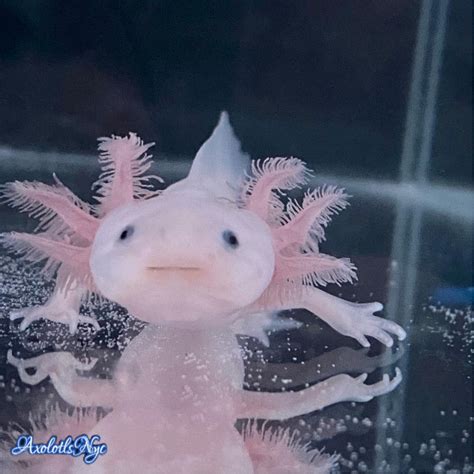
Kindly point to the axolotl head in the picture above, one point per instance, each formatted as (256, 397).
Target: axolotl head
(183, 257)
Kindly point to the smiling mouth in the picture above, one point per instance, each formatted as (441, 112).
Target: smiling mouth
(172, 268)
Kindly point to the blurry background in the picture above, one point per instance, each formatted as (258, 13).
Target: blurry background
(376, 95)
(322, 80)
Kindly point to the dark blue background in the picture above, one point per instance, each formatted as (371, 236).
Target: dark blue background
(322, 80)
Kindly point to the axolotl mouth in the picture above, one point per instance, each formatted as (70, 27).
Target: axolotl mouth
(174, 269)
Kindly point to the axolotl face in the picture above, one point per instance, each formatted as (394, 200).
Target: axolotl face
(181, 258)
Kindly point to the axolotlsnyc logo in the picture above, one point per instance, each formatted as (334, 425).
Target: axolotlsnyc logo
(83, 445)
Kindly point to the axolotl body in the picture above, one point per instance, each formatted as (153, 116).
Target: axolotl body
(211, 249)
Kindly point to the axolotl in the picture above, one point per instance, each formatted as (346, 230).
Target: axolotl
(209, 250)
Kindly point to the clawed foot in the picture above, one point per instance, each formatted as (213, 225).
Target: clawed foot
(60, 315)
(360, 322)
(61, 363)
(357, 391)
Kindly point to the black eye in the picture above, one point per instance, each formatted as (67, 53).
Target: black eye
(127, 232)
(230, 239)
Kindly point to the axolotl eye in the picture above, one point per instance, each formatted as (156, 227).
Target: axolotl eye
(230, 239)
(126, 233)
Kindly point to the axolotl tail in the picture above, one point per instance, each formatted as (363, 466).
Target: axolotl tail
(276, 451)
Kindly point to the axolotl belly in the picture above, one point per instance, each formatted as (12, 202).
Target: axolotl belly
(175, 405)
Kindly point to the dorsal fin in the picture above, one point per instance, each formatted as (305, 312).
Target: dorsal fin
(220, 163)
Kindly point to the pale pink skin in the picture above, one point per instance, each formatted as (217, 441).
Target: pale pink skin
(177, 389)
(64, 219)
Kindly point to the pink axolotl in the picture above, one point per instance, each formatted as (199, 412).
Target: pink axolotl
(210, 249)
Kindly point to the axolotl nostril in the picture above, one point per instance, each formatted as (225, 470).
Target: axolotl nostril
(233, 248)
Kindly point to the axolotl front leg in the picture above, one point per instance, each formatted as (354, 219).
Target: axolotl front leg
(351, 319)
(62, 368)
(62, 307)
